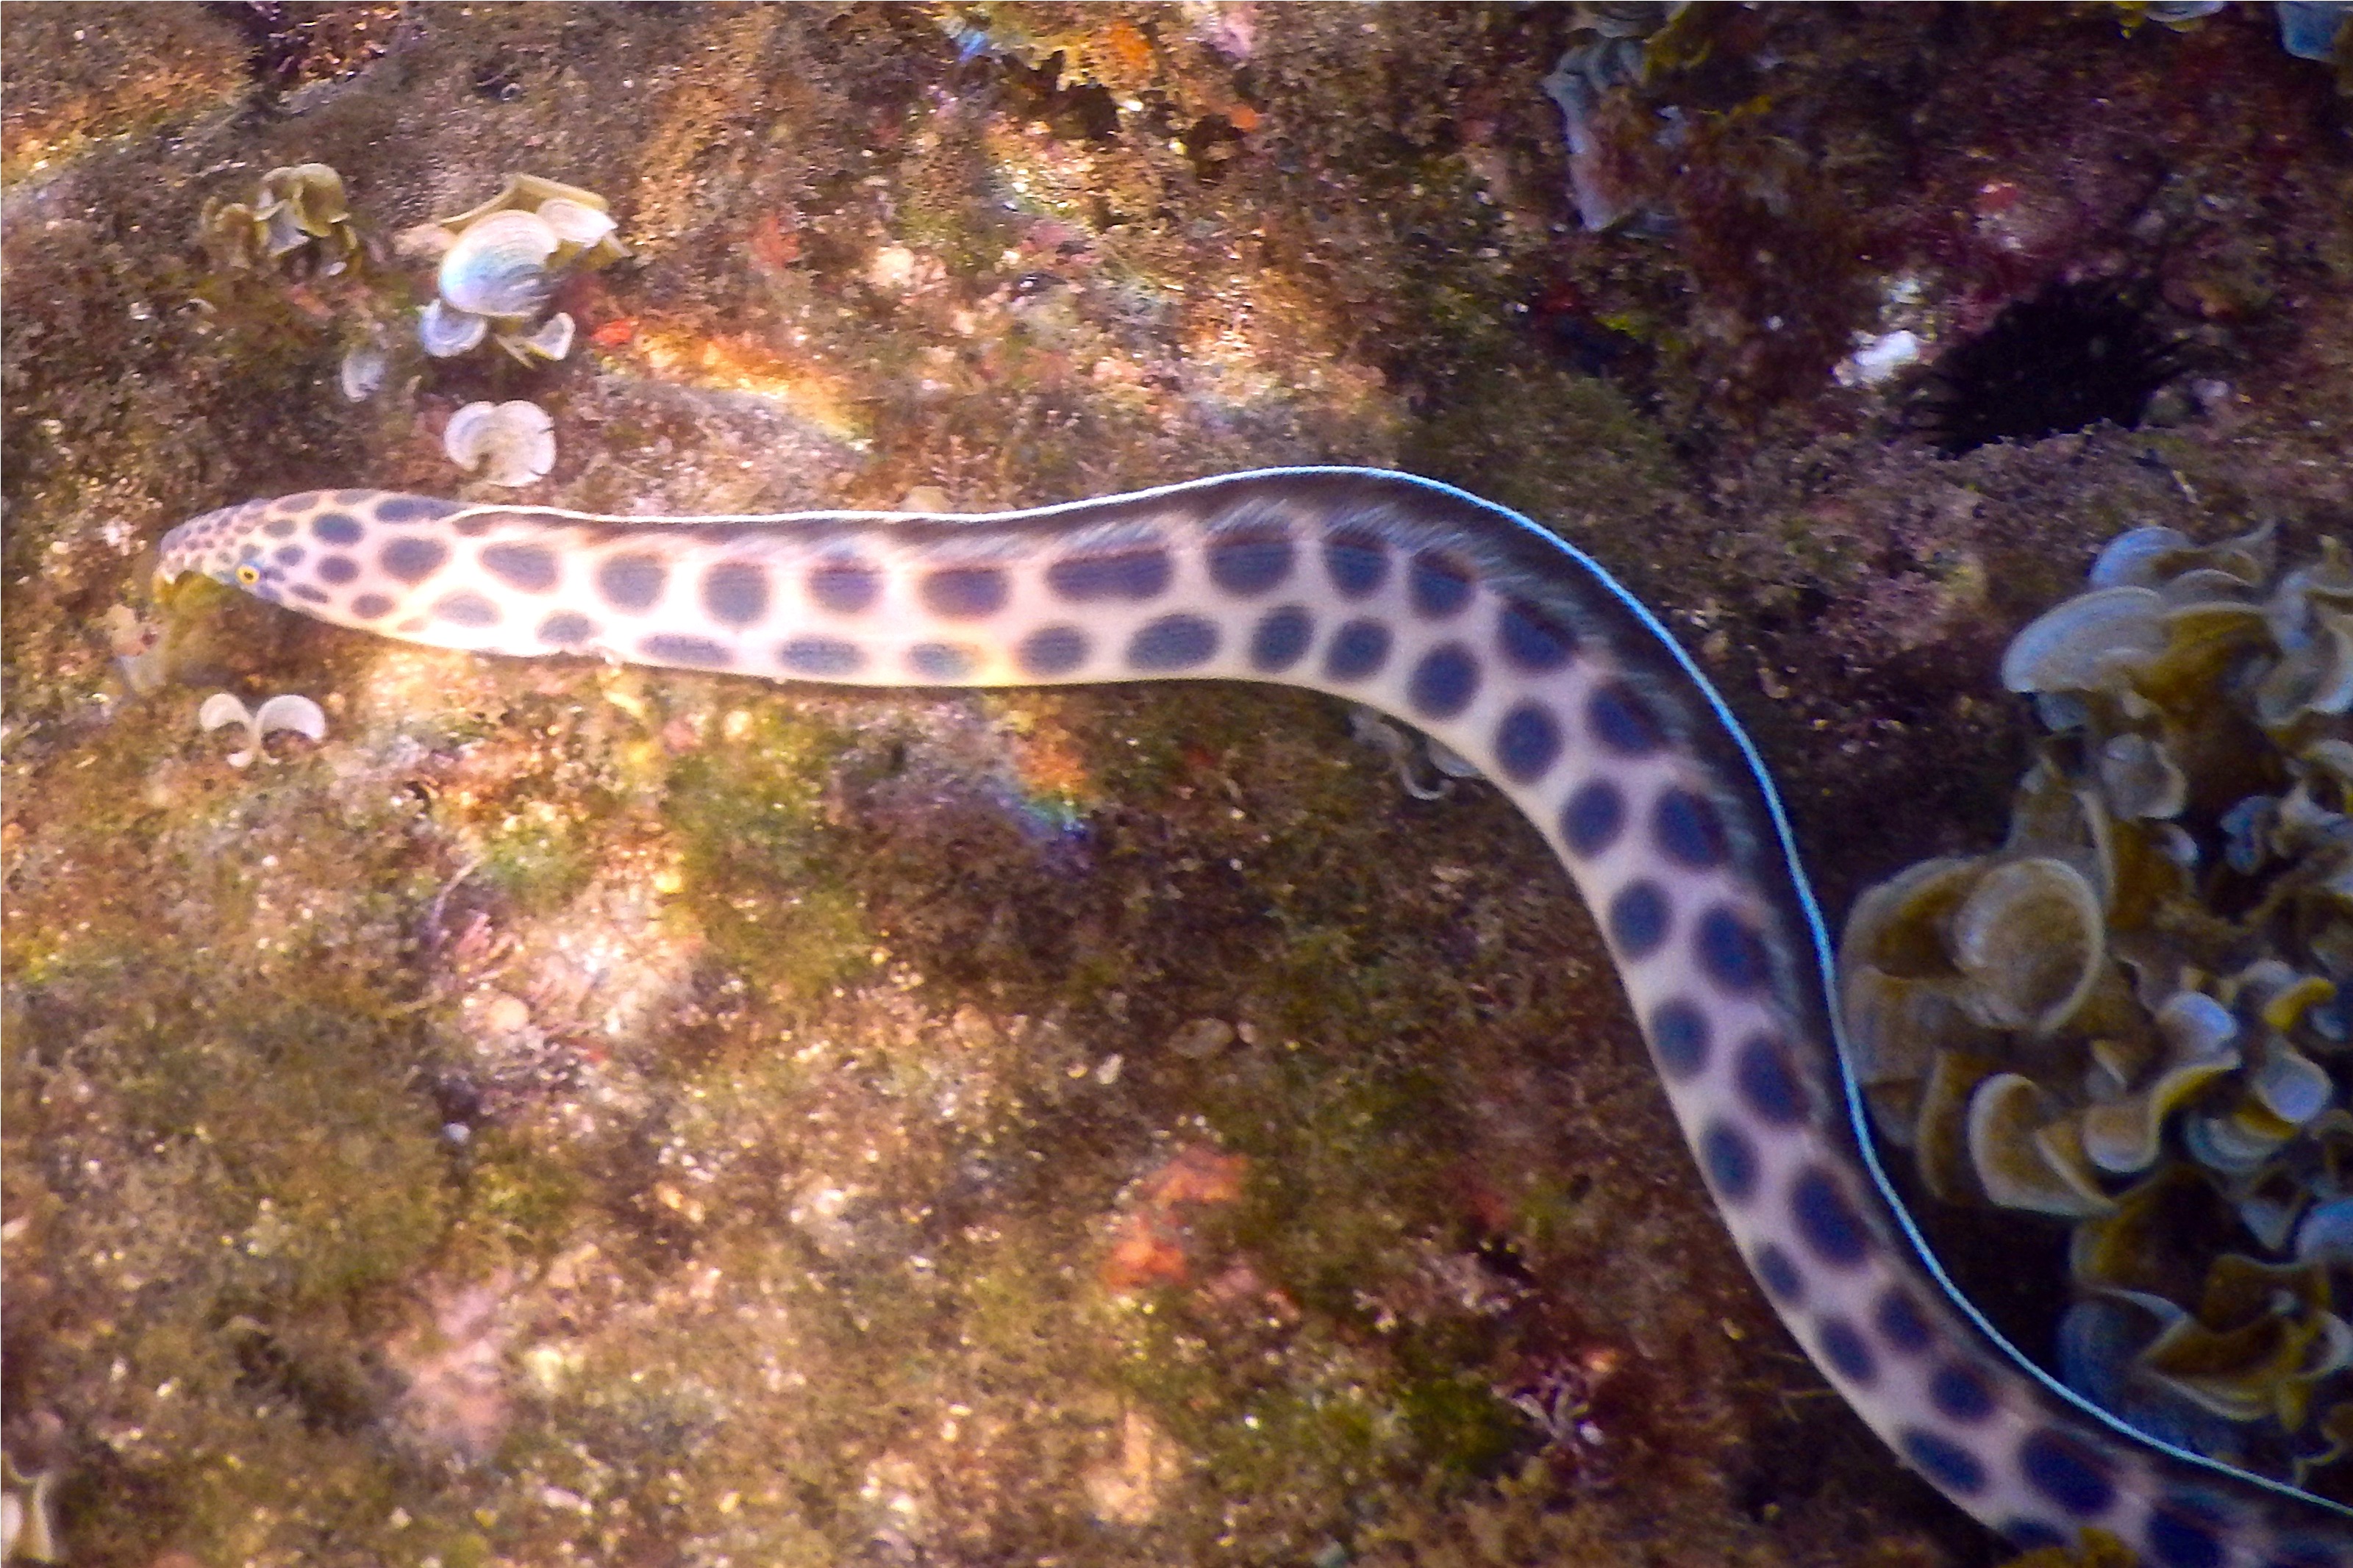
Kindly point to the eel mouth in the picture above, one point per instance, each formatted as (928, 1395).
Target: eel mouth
(170, 584)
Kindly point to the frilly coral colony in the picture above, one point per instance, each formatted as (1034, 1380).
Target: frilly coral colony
(300, 221)
(2136, 1015)
(501, 262)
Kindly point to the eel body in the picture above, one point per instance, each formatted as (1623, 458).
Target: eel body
(1470, 623)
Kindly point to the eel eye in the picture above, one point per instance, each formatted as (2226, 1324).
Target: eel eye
(248, 575)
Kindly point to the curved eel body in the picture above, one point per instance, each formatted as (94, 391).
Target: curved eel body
(1465, 620)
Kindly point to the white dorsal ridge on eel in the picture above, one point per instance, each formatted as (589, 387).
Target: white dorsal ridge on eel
(1514, 649)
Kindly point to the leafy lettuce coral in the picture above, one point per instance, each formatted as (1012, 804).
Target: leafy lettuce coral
(2134, 1016)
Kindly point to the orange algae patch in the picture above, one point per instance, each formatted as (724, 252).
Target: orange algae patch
(1126, 44)
(740, 362)
(109, 71)
(1151, 1245)
(773, 246)
(1051, 767)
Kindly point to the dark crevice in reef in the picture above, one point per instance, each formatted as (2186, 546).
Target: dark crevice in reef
(291, 46)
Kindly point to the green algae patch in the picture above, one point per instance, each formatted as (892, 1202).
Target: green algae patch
(539, 857)
(763, 875)
(519, 1201)
(254, 1178)
(1459, 1426)
(326, 1167)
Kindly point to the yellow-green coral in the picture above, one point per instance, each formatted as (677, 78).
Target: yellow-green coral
(2131, 1015)
(298, 219)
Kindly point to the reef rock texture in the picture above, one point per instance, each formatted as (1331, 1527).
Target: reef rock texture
(575, 1114)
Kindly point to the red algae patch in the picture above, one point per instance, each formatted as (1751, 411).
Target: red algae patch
(1152, 1245)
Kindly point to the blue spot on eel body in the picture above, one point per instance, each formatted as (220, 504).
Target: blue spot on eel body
(1132, 572)
(1358, 649)
(1279, 639)
(1173, 643)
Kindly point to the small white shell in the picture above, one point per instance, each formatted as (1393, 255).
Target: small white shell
(498, 266)
(363, 369)
(286, 711)
(447, 333)
(222, 707)
(574, 223)
(512, 443)
(552, 340)
(289, 711)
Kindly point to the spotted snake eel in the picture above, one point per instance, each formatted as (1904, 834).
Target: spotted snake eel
(1509, 646)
